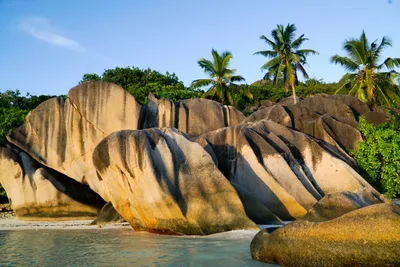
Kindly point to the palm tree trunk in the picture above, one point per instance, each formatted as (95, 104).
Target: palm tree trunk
(294, 94)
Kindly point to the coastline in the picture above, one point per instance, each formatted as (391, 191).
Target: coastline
(8, 221)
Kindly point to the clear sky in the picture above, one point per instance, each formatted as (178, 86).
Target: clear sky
(47, 45)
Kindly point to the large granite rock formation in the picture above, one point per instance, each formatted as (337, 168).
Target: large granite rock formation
(192, 116)
(287, 171)
(369, 236)
(39, 193)
(330, 118)
(159, 181)
(62, 133)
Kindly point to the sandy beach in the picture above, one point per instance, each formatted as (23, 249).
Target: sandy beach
(8, 221)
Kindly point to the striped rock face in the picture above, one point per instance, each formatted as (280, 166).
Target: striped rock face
(192, 116)
(39, 193)
(61, 133)
(285, 170)
(161, 182)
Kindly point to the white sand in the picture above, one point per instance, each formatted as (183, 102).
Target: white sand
(12, 223)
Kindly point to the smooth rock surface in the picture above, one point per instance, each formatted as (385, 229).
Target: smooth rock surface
(62, 133)
(192, 116)
(161, 182)
(39, 193)
(337, 204)
(287, 171)
(369, 236)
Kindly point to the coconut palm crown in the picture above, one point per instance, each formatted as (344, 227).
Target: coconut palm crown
(367, 79)
(222, 79)
(286, 57)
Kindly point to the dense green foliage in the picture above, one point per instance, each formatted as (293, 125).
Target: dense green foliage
(222, 79)
(266, 89)
(286, 57)
(140, 83)
(13, 110)
(366, 79)
(379, 155)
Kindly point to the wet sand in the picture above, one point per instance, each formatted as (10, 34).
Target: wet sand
(8, 221)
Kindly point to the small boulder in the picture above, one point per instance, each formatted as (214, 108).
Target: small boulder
(337, 204)
(108, 215)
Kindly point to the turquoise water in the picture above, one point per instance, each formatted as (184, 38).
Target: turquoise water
(122, 247)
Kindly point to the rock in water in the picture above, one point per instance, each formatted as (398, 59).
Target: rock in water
(159, 181)
(108, 215)
(39, 193)
(62, 133)
(369, 236)
(287, 171)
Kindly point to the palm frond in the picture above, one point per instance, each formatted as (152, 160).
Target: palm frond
(268, 41)
(389, 63)
(271, 63)
(267, 53)
(201, 83)
(298, 42)
(237, 78)
(345, 62)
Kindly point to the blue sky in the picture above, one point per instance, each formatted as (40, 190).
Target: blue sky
(46, 46)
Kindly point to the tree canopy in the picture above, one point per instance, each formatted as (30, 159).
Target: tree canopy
(367, 79)
(222, 78)
(286, 57)
(140, 83)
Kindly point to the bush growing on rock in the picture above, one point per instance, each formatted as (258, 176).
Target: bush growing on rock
(379, 155)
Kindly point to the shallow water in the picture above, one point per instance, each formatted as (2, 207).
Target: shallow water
(118, 247)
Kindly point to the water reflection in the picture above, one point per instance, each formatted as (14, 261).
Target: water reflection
(121, 248)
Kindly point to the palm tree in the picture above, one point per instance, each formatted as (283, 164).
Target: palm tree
(286, 57)
(366, 81)
(222, 79)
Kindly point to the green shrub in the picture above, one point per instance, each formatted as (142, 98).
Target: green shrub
(378, 157)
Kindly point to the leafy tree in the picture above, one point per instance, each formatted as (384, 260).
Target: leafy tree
(366, 79)
(286, 57)
(222, 79)
(140, 83)
(378, 157)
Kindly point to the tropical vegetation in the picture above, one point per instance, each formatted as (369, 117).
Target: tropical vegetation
(222, 78)
(371, 81)
(140, 83)
(286, 57)
(378, 157)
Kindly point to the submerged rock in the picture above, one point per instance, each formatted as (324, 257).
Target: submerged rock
(369, 236)
(161, 182)
(108, 215)
(39, 193)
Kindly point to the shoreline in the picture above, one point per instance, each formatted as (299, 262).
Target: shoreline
(8, 222)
